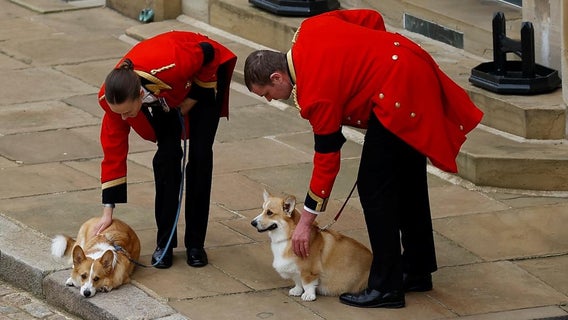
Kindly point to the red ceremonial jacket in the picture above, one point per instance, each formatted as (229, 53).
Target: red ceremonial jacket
(172, 63)
(344, 64)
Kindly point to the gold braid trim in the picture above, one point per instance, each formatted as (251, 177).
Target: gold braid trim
(205, 84)
(114, 183)
(321, 203)
(293, 77)
(295, 35)
(156, 85)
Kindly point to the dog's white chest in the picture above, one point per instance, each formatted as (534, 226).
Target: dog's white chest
(284, 265)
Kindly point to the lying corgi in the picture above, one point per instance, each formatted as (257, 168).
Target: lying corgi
(100, 263)
(337, 263)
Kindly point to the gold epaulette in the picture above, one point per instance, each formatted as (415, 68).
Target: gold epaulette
(156, 84)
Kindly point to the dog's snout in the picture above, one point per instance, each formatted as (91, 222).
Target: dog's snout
(87, 293)
(253, 222)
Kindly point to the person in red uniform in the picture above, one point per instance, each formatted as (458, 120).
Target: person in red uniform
(172, 81)
(344, 68)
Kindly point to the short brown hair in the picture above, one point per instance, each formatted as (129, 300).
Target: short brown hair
(260, 64)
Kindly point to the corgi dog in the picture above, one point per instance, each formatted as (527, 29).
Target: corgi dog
(102, 262)
(336, 264)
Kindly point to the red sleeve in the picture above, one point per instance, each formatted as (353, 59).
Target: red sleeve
(326, 168)
(114, 141)
(325, 118)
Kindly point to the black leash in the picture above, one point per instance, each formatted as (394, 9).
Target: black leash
(121, 249)
(340, 210)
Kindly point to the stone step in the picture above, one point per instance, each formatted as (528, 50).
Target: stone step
(467, 25)
(489, 157)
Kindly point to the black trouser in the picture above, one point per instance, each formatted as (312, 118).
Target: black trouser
(393, 189)
(203, 123)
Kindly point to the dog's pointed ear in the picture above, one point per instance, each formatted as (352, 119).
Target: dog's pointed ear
(265, 195)
(289, 205)
(78, 255)
(107, 260)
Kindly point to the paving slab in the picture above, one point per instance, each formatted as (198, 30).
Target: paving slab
(50, 6)
(255, 153)
(30, 148)
(45, 178)
(491, 287)
(236, 192)
(23, 27)
(79, 23)
(47, 84)
(452, 200)
(182, 282)
(91, 72)
(88, 103)
(511, 234)
(42, 116)
(418, 306)
(551, 270)
(10, 63)
(60, 48)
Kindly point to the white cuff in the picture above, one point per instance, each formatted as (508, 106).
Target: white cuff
(311, 211)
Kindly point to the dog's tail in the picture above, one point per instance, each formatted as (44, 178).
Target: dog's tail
(62, 245)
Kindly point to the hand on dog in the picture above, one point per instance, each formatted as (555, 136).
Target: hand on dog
(103, 222)
(301, 236)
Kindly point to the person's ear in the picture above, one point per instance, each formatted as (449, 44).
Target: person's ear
(275, 77)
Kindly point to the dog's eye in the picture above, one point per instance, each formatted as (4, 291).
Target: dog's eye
(269, 213)
(84, 276)
(95, 279)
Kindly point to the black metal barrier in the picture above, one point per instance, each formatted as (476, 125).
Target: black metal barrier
(296, 7)
(523, 77)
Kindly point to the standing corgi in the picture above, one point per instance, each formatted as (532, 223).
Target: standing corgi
(336, 264)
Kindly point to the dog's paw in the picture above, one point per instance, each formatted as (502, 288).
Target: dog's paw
(69, 282)
(308, 296)
(296, 291)
(105, 289)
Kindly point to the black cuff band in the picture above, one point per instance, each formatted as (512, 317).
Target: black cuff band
(115, 194)
(208, 52)
(329, 142)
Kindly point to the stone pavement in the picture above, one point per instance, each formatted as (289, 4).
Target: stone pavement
(503, 254)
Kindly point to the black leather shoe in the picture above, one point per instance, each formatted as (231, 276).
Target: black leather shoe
(196, 257)
(416, 283)
(166, 261)
(371, 298)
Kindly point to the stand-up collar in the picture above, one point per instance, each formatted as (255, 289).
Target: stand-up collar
(291, 69)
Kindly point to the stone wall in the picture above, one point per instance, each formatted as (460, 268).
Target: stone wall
(163, 9)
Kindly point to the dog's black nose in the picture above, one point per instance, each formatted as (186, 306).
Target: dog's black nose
(87, 293)
(253, 222)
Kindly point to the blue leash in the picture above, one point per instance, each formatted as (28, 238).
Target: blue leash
(184, 138)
